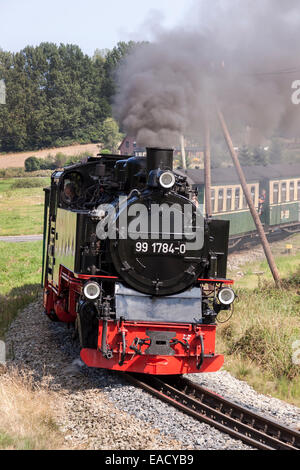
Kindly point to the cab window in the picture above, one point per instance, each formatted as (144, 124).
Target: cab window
(71, 188)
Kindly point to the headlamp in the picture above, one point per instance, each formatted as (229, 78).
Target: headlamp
(167, 180)
(92, 290)
(226, 296)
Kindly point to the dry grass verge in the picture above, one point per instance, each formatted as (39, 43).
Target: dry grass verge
(27, 413)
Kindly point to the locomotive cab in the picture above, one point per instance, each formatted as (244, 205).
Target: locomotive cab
(132, 262)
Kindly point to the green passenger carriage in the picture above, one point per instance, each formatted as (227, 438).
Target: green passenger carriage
(275, 190)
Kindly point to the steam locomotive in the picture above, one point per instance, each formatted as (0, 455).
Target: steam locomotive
(130, 260)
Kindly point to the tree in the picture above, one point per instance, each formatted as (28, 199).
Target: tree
(256, 156)
(219, 154)
(110, 135)
(275, 152)
(244, 156)
(112, 60)
(55, 96)
(100, 54)
(259, 157)
(32, 164)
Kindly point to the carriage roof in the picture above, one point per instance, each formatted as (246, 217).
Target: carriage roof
(225, 176)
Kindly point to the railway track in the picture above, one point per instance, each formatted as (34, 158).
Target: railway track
(205, 406)
(247, 242)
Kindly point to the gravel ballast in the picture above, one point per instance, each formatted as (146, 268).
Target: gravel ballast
(102, 411)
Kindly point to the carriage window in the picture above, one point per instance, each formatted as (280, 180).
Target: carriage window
(245, 204)
(276, 193)
(237, 199)
(253, 192)
(220, 200)
(229, 200)
(298, 191)
(292, 191)
(213, 198)
(283, 192)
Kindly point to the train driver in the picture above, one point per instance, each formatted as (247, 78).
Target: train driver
(70, 193)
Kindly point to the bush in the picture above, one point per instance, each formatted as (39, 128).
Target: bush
(293, 280)
(269, 346)
(78, 158)
(47, 163)
(12, 173)
(40, 173)
(29, 183)
(32, 164)
(60, 160)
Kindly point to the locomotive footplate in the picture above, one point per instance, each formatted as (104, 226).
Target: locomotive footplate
(162, 349)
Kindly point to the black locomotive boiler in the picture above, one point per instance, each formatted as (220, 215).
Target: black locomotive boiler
(132, 262)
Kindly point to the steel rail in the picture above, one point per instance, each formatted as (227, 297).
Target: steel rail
(246, 242)
(226, 416)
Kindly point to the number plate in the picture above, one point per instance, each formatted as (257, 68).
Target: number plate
(161, 248)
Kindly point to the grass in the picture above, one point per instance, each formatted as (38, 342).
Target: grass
(21, 208)
(27, 409)
(20, 277)
(27, 413)
(258, 341)
(29, 183)
(21, 173)
(286, 263)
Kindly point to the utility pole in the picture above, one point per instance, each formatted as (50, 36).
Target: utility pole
(182, 145)
(207, 171)
(257, 221)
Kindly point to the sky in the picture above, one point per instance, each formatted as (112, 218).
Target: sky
(90, 24)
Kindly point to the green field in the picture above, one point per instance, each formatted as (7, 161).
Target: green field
(21, 213)
(20, 278)
(21, 209)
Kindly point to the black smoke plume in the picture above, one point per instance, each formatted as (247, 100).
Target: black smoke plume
(240, 55)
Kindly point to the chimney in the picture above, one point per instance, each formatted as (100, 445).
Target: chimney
(159, 158)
